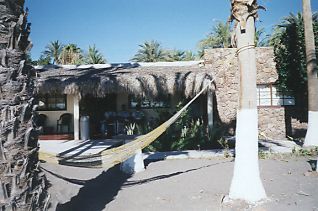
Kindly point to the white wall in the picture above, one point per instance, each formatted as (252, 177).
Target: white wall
(53, 116)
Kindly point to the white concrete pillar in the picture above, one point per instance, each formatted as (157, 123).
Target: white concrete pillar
(134, 164)
(210, 108)
(76, 117)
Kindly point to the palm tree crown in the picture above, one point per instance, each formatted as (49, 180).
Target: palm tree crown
(150, 51)
(53, 51)
(189, 56)
(94, 56)
(175, 55)
(71, 54)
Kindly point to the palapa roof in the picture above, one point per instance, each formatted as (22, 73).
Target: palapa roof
(143, 79)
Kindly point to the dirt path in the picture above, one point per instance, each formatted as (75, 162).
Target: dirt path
(180, 185)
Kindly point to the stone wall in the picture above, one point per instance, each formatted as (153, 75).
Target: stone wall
(224, 65)
(271, 122)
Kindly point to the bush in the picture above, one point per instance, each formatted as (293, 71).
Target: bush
(187, 133)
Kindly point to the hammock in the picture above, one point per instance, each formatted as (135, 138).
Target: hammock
(111, 157)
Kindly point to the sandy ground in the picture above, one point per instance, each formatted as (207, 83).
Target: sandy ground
(197, 184)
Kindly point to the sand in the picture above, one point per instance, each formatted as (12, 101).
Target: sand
(187, 184)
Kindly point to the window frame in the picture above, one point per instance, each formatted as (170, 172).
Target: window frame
(46, 99)
(282, 97)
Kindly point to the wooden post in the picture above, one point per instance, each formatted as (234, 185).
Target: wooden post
(210, 108)
(76, 117)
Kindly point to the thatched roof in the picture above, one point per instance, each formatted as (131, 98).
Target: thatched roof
(145, 79)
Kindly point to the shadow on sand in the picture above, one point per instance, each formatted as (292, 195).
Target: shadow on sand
(98, 192)
(166, 176)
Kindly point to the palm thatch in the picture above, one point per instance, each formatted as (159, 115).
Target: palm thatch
(143, 79)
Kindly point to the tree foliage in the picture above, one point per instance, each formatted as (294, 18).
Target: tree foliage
(94, 56)
(53, 51)
(221, 34)
(179, 55)
(44, 60)
(150, 51)
(187, 133)
(71, 54)
(174, 55)
(261, 38)
(220, 37)
(58, 53)
(288, 40)
(189, 56)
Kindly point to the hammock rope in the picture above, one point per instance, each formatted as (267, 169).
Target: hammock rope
(111, 157)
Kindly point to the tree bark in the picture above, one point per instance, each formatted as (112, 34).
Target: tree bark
(22, 185)
(246, 182)
(312, 75)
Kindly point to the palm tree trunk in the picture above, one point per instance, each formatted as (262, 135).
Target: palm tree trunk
(22, 185)
(246, 182)
(312, 75)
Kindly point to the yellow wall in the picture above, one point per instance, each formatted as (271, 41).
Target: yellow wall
(53, 116)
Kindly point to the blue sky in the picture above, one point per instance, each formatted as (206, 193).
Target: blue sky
(117, 27)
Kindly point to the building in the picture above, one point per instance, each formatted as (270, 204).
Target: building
(95, 89)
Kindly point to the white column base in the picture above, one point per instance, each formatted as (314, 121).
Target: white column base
(76, 117)
(312, 130)
(246, 182)
(210, 109)
(134, 164)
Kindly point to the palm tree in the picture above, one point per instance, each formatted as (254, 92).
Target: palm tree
(219, 38)
(174, 55)
(289, 48)
(246, 182)
(274, 38)
(71, 54)
(189, 56)
(312, 75)
(261, 39)
(200, 53)
(22, 187)
(44, 60)
(94, 56)
(150, 51)
(53, 50)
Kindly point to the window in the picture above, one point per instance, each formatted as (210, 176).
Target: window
(160, 102)
(53, 103)
(269, 95)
